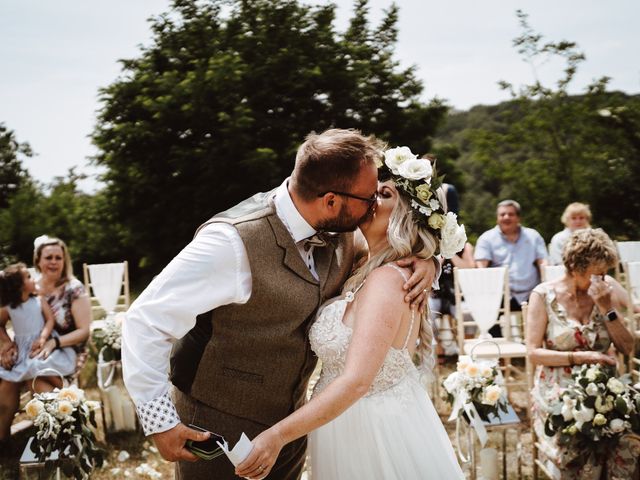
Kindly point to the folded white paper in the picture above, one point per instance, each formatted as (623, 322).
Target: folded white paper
(239, 452)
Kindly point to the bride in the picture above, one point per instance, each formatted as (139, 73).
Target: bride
(369, 415)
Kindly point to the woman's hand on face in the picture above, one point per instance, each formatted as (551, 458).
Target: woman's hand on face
(8, 355)
(266, 448)
(600, 292)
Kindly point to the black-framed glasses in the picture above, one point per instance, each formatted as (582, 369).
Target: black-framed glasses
(371, 200)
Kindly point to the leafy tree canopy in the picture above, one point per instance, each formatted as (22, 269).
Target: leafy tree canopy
(214, 109)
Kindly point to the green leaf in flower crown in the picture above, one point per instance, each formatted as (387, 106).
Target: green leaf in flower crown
(587, 428)
(583, 382)
(564, 439)
(621, 405)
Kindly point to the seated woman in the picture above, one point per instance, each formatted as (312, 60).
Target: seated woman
(576, 216)
(71, 309)
(572, 321)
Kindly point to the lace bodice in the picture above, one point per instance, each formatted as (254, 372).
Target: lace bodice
(330, 339)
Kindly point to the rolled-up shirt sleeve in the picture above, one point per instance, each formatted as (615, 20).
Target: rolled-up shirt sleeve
(213, 270)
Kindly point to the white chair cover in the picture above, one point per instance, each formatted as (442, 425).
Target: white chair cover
(551, 272)
(106, 282)
(483, 289)
(633, 277)
(629, 251)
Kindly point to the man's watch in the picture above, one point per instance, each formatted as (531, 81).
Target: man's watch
(612, 315)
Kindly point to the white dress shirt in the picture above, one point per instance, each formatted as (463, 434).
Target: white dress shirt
(211, 271)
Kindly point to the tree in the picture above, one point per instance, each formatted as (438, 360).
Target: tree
(12, 173)
(214, 109)
(547, 148)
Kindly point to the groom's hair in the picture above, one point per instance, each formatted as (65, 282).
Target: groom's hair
(331, 161)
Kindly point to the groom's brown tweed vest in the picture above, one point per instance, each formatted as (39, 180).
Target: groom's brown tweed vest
(254, 360)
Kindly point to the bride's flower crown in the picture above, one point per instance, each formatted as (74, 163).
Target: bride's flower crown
(416, 178)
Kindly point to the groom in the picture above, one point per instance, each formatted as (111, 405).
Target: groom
(241, 298)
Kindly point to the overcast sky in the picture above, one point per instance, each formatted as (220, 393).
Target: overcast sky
(54, 56)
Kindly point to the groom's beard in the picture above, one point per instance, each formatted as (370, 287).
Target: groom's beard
(344, 222)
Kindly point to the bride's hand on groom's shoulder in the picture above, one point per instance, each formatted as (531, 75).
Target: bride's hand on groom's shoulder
(266, 448)
(171, 444)
(419, 284)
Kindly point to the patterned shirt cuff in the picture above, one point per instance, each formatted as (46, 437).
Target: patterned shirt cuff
(158, 415)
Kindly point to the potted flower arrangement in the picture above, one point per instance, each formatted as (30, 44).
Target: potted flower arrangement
(64, 439)
(594, 411)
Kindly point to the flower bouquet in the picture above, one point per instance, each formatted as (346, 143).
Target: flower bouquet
(63, 419)
(593, 413)
(108, 339)
(477, 384)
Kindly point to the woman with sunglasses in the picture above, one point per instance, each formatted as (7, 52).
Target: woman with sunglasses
(71, 308)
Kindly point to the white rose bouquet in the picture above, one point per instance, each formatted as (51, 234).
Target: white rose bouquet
(479, 384)
(62, 419)
(593, 412)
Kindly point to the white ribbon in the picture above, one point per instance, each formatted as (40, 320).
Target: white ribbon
(105, 366)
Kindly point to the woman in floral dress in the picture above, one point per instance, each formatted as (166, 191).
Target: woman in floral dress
(572, 321)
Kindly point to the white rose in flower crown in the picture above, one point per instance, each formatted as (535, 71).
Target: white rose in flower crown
(617, 425)
(583, 415)
(34, 407)
(416, 169)
(436, 221)
(592, 389)
(491, 395)
(394, 157)
(65, 407)
(599, 419)
(567, 412)
(453, 236)
(615, 385)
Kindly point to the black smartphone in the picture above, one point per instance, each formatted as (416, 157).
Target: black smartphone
(206, 449)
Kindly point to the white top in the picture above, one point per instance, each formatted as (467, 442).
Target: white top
(211, 271)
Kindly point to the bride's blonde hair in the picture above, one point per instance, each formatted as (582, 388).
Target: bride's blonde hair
(405, 237)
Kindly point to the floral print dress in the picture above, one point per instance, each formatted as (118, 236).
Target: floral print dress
(60, 302)
(569, 335)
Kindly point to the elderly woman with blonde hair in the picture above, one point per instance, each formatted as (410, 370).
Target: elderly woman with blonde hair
(573, 320)
(576, 216)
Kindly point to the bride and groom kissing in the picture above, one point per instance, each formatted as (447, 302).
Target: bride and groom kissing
(241, 314)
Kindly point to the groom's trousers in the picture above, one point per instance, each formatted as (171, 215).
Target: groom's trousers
(288, 466)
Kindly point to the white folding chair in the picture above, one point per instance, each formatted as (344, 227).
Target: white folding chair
(487, 301)
(627, 252)
(551, 272)
(108, 286)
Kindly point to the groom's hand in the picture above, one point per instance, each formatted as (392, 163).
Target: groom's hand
(419, 284)
(171, 443)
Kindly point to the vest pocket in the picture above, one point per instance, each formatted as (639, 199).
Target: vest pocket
(241, 375)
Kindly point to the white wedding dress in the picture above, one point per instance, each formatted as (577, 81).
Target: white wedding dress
(393, 432)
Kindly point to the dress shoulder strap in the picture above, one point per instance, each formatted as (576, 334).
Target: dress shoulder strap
(413, 311)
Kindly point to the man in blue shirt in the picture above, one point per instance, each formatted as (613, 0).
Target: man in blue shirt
(509, 243)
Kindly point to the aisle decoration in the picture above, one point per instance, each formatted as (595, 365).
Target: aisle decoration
(63, 419)
(593, 413)
(475, 391)
(120, 413)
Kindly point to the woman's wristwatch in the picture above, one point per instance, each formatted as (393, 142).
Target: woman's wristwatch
(57, 341)
(612, 315)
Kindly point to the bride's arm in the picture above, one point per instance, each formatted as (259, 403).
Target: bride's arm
(377, 320)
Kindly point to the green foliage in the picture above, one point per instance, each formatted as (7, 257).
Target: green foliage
(12, 173)
(214, 109)
(82, 220)
(546, 149)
